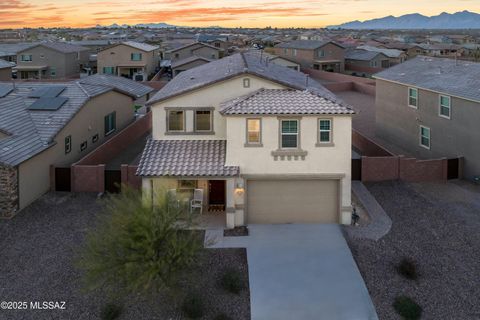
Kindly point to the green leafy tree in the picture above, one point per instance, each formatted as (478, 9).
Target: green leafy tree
(137, 247)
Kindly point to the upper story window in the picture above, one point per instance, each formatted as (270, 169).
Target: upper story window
(425, 137)
(254, 136)
(246, 83)
(321, 53)
(294, 52)
(324, 131)
(176, 120)
(445, 106)
(285, 51)
(68, 144)
(203, 120)
(110, 123)
(26, 57)
(108, 70)
(373, 63)
(289, 134)
(413, 97)
(136, 57)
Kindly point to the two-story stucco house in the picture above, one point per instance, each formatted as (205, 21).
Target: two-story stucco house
(431, 108)
(56, 124)
(51, 60)
(319, 55)
(197, 49)
(132, 60)
(265, 143)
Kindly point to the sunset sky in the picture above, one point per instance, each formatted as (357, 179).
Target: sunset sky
(228, 13)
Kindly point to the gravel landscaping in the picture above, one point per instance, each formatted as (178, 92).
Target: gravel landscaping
(437, 226)
(37, 249)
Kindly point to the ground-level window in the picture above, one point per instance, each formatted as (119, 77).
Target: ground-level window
(110, 123)
(68, 144)
(108, 70)
(325, 130)
(203, 120)
(176, 120)
(425, 137)
(413, 97)
(289, 134)
(445, 106)
(253, 131)
(53, 71)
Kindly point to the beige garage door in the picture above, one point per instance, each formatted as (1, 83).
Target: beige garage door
(292, 201)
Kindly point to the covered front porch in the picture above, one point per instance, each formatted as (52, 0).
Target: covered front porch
(328, 65)
(187, 170)
(131, 72)
(31, 72)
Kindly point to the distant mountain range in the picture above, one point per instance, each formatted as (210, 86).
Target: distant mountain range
(160, 25)
(458, 20)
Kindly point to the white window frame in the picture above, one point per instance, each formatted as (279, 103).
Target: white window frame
(246, 82)
(294, 52)
(416, 99)
(330, 131)
(429, 137)
(297, 134)
(26, 55)
(449, 106)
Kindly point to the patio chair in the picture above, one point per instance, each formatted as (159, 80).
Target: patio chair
(197, 201)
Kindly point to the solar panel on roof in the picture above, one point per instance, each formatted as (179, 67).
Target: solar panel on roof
(48, 103)
(47, 92)
(5, 89)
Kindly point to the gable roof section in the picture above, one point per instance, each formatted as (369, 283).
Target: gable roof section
(282, 101)
(5, 64)
(391, 53)
(181, 62)
(246, 63)
(140, 46)
(306, 44)
(62, 47)
(447, 76)
(121, 84)
(185, 158)
(362, 55)
(199, 44)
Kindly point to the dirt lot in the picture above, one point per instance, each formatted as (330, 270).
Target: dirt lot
(37, 249)
(438, 226)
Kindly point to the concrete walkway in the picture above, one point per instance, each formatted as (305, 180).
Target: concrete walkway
(300, 272)
(380, 222)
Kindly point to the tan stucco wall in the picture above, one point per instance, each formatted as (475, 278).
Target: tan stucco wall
(198, 49)
(122, 57)
(66, 64)
(34, 176)
(210, 96)
(319, 160)
(5, 74)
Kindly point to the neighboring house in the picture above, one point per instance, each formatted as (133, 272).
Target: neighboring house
(132, 60)
(187, 63)
(93, 46)
(51, 60)
(6, 70)
(395, 56)
(430, 107)
(364, 58)
(440, 49)
(8, 51)
(282, 61)
(265, 143)
(320, 55)
(55, 124)
(218, 41)
(195, 49)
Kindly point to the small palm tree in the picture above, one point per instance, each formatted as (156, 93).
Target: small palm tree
(136, 247)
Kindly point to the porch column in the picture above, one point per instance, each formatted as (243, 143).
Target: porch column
(230, 203)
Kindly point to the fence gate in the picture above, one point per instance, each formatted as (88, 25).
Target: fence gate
(452, 169)
(356, 169)
(113, 179)
(62, 179)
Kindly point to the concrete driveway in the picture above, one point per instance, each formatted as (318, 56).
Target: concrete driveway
(301, 272)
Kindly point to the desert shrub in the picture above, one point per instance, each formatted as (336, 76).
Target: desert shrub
(407, 308)
(110, 311)
(232, 281)
(193, 305)
(408, 269)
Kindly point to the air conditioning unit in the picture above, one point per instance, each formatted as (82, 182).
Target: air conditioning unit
(139, 76)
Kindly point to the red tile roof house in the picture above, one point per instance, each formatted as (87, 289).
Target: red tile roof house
(264, 143)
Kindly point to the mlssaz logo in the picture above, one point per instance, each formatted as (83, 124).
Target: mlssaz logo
(48, 305)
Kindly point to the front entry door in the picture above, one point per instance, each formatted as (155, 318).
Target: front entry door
(216, 194)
